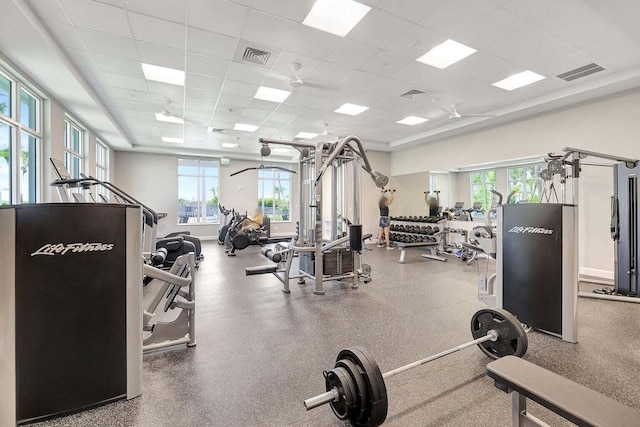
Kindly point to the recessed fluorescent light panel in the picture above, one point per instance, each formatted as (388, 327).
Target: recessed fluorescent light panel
(412, 120)
(446, 54)
(271, 94)
(163, 74)
(244, 127)
(174, 140)
(229, 145)
(169, 119)
(351, 109)
(306, 135)
(336, 16)
(518, 80)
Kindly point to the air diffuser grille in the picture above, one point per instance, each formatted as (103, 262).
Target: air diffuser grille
(256, 56)
(580, 72)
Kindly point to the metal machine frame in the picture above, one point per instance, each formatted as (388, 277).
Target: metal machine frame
(329, 186)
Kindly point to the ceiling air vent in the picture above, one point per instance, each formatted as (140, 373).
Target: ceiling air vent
(580, 72)
(412, 93)
(256, 56)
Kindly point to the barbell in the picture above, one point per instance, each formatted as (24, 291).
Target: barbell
(355, 386)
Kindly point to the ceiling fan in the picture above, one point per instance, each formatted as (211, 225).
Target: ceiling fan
(454, 114)
(297, 81)
(166, 112)
(261, 166)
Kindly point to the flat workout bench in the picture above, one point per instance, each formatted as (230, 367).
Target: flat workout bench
(431, 245)
(574, 402)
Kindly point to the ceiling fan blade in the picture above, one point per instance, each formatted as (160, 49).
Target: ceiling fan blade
(242, 171)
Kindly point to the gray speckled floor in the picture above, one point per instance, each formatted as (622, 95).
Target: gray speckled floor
(260, 352)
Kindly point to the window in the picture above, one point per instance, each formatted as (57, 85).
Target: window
(102, 167)
(198, 185)
(20, 136)
(73, 148)
(526, 181)
(274, 194)
(482, 183)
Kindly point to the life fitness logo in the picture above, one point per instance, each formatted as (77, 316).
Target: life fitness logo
(52, 249)
(530, 230)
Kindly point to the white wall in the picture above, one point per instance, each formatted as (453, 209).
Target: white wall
(153, 179)
(608, 125)
(380, 161)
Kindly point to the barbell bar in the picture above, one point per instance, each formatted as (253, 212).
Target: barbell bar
(356, 390)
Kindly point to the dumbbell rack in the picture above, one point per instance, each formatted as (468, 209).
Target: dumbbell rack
(414, 229)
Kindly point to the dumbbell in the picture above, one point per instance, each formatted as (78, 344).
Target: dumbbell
(356, 389)
(436, 229)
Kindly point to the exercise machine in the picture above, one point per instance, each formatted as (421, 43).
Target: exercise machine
(355, 387)
(326, 247)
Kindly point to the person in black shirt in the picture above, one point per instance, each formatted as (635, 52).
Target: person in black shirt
(385, 222)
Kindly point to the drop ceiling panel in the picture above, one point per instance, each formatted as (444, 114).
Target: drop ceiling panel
(126, 82)
(131, 95)
(451, 17)
(82, 59)
(498, 24)
(386, 64)
(220, 16)
(166, 91)
(206, 65)
(136, 105)
(107, 44)
(173, 10)
(310, 42)
(249, 115)
(378, 28)
(210, 44)
(294, 11)
(200, 81)
(415, 42)
(413, 10)
(351, 53)
(247, 73)
(160, 55)
(97, 16)
(239, 88)
(157, 31)
(114, 65)
(267, 29)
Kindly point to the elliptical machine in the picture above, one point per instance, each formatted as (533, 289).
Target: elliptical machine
(222, 233)
(234, 240)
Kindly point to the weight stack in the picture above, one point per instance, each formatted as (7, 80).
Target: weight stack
(338, 262)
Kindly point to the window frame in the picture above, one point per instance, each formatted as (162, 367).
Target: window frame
(485, 184)
(526, 195)
(70, 124)
(287, 198)
(200, 192)
(102, 168)
(18, 130)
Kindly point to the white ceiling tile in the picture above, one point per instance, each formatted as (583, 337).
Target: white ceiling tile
(200, 81)
(496, 25)
(330, 74)
(421, 76)
(267, 29)
(118, 3)
(126, 82)
(157, 31)
(482, 66)
(251, 116)
(135, 105)
(359, 80)
(166, 91)
(121, 66)
(219, 16)
(279, 118)
(49, 10)
(413, 10)
(247, 73)
(82, 59)
(97, 16)
(351, 53)
(386, 64)
(65, 34)
(131, 95)
(625, 55)
(239, 88)
(206, 65)
(160, 55)
(379, 28)
(294, 11)
(415, 42)
(453, 16)
(233, 101)
(259, 104)
(107, 44)
(283, 64)
(311, 42)
(210, 44)
(174, 10)
(207, 97)
(390, 87)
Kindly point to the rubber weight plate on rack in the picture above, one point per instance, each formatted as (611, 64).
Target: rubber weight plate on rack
(512, 338)
(376, 391)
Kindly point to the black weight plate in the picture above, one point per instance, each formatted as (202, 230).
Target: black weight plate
(376, 390)
(555, 166)
(357, 374)
(512, 338)
(546, 175)
(339, 378)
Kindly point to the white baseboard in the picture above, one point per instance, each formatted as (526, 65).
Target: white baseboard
(593, 275)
